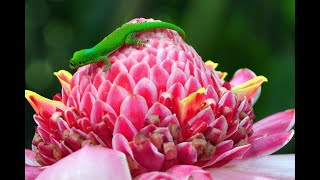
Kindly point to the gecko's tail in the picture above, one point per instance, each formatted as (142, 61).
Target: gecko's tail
(154, 25)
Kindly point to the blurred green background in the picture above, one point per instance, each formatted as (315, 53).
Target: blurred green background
(258, 35)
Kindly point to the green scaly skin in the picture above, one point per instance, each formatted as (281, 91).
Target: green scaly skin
(123, 35)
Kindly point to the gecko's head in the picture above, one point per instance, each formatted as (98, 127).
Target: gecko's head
(80, 58)
(72, 65)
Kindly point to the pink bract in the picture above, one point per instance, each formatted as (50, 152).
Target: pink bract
(159, 111)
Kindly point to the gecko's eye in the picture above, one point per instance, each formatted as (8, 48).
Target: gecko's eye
(71, 63)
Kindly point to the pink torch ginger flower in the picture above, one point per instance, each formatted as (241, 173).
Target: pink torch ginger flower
(159, 112)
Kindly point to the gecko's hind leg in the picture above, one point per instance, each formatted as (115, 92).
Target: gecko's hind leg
(131, 39)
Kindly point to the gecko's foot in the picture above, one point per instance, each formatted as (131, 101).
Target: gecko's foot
(142, 43)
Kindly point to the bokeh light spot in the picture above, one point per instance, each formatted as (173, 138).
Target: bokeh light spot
(39, 75)
(36, 13)
(58, 34)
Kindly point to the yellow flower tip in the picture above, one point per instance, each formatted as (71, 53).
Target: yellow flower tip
(264, 78)
(222, 75)
(261, 79)
(192, 95)
(63, 74)
(211, 64)
(257, 81)
(190, 105)
(249, 88)
(64, 78)
(40, 103)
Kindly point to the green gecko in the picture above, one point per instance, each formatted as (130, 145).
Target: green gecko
(123, 35)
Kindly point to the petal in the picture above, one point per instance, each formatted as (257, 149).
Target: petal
(256, 97)
(120, 143)
(64, 79)
(276, 123)
(203, 78)
(89, 163)
(198, 123)
(159, 76)
(268, 145)
(98, 79)
(85, 124)
(172, 119)
(186, 153)
(250, 88)
(188, 70)
(191, 105)
(137, 114)
(159, 110)
(241, 76)
(228, 99)
(192, 85)
(39, 103)
(84, 83)
(114, 70)
(146, 130)
(71, 117)
(91, 89)
(235, 153)
(125, 80)
(176, 76)
(103, 90)
(146, 88)
(166, 135)
(212, 93)
(31, 172)
(222, 75)
(151, 58)
(155, 175)
(74, 99)
(30, 158)
(224, 146)
(172, 54)
(137, 55)
(139, 71)
(129, 62)
(167, 63)
(146, 151)
(189, 172)
(116, 96)
(125, 127)
(86, 103)
(99, 109)
(177, 91)
(280, 166)
(103, 132)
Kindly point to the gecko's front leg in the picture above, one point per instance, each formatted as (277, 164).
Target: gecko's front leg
(107, 65)
(106, 60)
